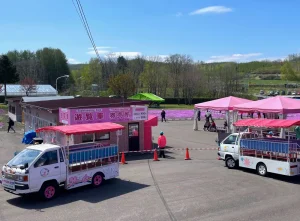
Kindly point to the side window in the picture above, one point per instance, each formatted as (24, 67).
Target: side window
(100, 137)
(86, 138)
(61, 158)
(47, 158)
(230, 140)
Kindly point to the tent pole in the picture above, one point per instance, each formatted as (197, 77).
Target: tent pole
(195, 119)
(228, 121)
(282, 130)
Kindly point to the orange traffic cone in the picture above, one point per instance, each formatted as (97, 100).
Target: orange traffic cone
(123, 159)
(187, 155)
(155, 158)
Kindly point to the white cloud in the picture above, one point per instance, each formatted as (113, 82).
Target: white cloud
(125, 54)
(273, 58)
(211, 10)
(100, 52)
(73, 61)
(235, 58)
(179, 14)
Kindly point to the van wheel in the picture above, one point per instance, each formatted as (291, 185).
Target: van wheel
(230, 163)
(97, 180)
(261, 169)
(48, 190)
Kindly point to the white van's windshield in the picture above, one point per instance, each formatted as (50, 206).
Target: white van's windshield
(25, 156)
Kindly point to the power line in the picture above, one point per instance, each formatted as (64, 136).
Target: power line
(84, 21)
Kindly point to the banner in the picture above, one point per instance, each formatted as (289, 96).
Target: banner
(98, 115)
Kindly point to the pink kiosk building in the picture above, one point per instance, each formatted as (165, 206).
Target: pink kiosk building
(133, 115)
(137, 135)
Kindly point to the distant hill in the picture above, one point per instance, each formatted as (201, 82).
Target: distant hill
(264, 70)
(76, 66)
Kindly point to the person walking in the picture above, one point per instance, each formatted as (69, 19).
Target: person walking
(208, 115)
(162, 142)
(11, 124)
(163, 115)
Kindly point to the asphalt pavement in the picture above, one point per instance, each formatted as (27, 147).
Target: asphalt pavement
(170, 189)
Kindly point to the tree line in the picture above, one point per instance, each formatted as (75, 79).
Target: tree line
(176, 76)
(43, 66)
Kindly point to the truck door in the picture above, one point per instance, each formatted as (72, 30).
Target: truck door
(230, 144)
(47, 167)
(63, 167)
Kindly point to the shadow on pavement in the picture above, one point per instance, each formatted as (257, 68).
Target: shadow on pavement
(287, 179)
(110, 189)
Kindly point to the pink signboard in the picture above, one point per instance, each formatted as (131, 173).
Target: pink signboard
(98, 115)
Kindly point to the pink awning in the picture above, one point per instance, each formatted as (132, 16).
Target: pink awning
(151, 122)
(278, 104)
(222, 104)
(84, 128)
(268, 123)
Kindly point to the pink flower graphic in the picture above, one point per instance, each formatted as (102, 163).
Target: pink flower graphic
(247, 162)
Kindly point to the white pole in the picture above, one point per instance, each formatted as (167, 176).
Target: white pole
(195, 119)
(65, 76)
(228, 121)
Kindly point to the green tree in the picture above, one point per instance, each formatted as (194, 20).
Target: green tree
(95, 72)
(287, 72)
(54, 64)
(136, 68)
(122, 64)
(122, 85)
(27, 65)
(7, 72)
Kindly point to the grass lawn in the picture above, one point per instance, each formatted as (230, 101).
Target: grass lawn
(267, 82)
(174, 106)
(4, 107)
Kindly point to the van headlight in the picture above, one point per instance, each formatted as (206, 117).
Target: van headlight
(22, 178)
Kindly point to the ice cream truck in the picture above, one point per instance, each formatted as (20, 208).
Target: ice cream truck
(62, 159)
(262, 147)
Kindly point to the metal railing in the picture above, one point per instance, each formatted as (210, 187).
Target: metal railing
(275, 150)
(84, 159)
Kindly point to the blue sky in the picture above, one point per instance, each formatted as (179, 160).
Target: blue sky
(208, 30)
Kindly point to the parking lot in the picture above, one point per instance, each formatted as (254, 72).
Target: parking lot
(170, 189)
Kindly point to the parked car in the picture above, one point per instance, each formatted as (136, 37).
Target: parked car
(298, 93)
(294, 93)
(261, 92)
(276, 93)
(271, 93)
(289, 93)
(282, 92)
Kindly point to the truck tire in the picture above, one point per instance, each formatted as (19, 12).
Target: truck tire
(261, 169)
(230, 163)
(49, 190)
(97, 180)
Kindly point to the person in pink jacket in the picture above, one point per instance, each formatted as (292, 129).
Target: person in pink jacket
(162, 142)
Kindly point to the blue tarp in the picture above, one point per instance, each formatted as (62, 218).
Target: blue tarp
(84, 155)
(263, 145)
(28, 137)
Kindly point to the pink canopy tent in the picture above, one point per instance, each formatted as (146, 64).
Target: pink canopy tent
(222, 104)
(278, 104)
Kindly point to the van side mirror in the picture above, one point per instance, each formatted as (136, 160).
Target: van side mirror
(24, 166)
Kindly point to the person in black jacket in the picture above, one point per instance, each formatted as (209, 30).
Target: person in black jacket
(11, 124)
(163, 115)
